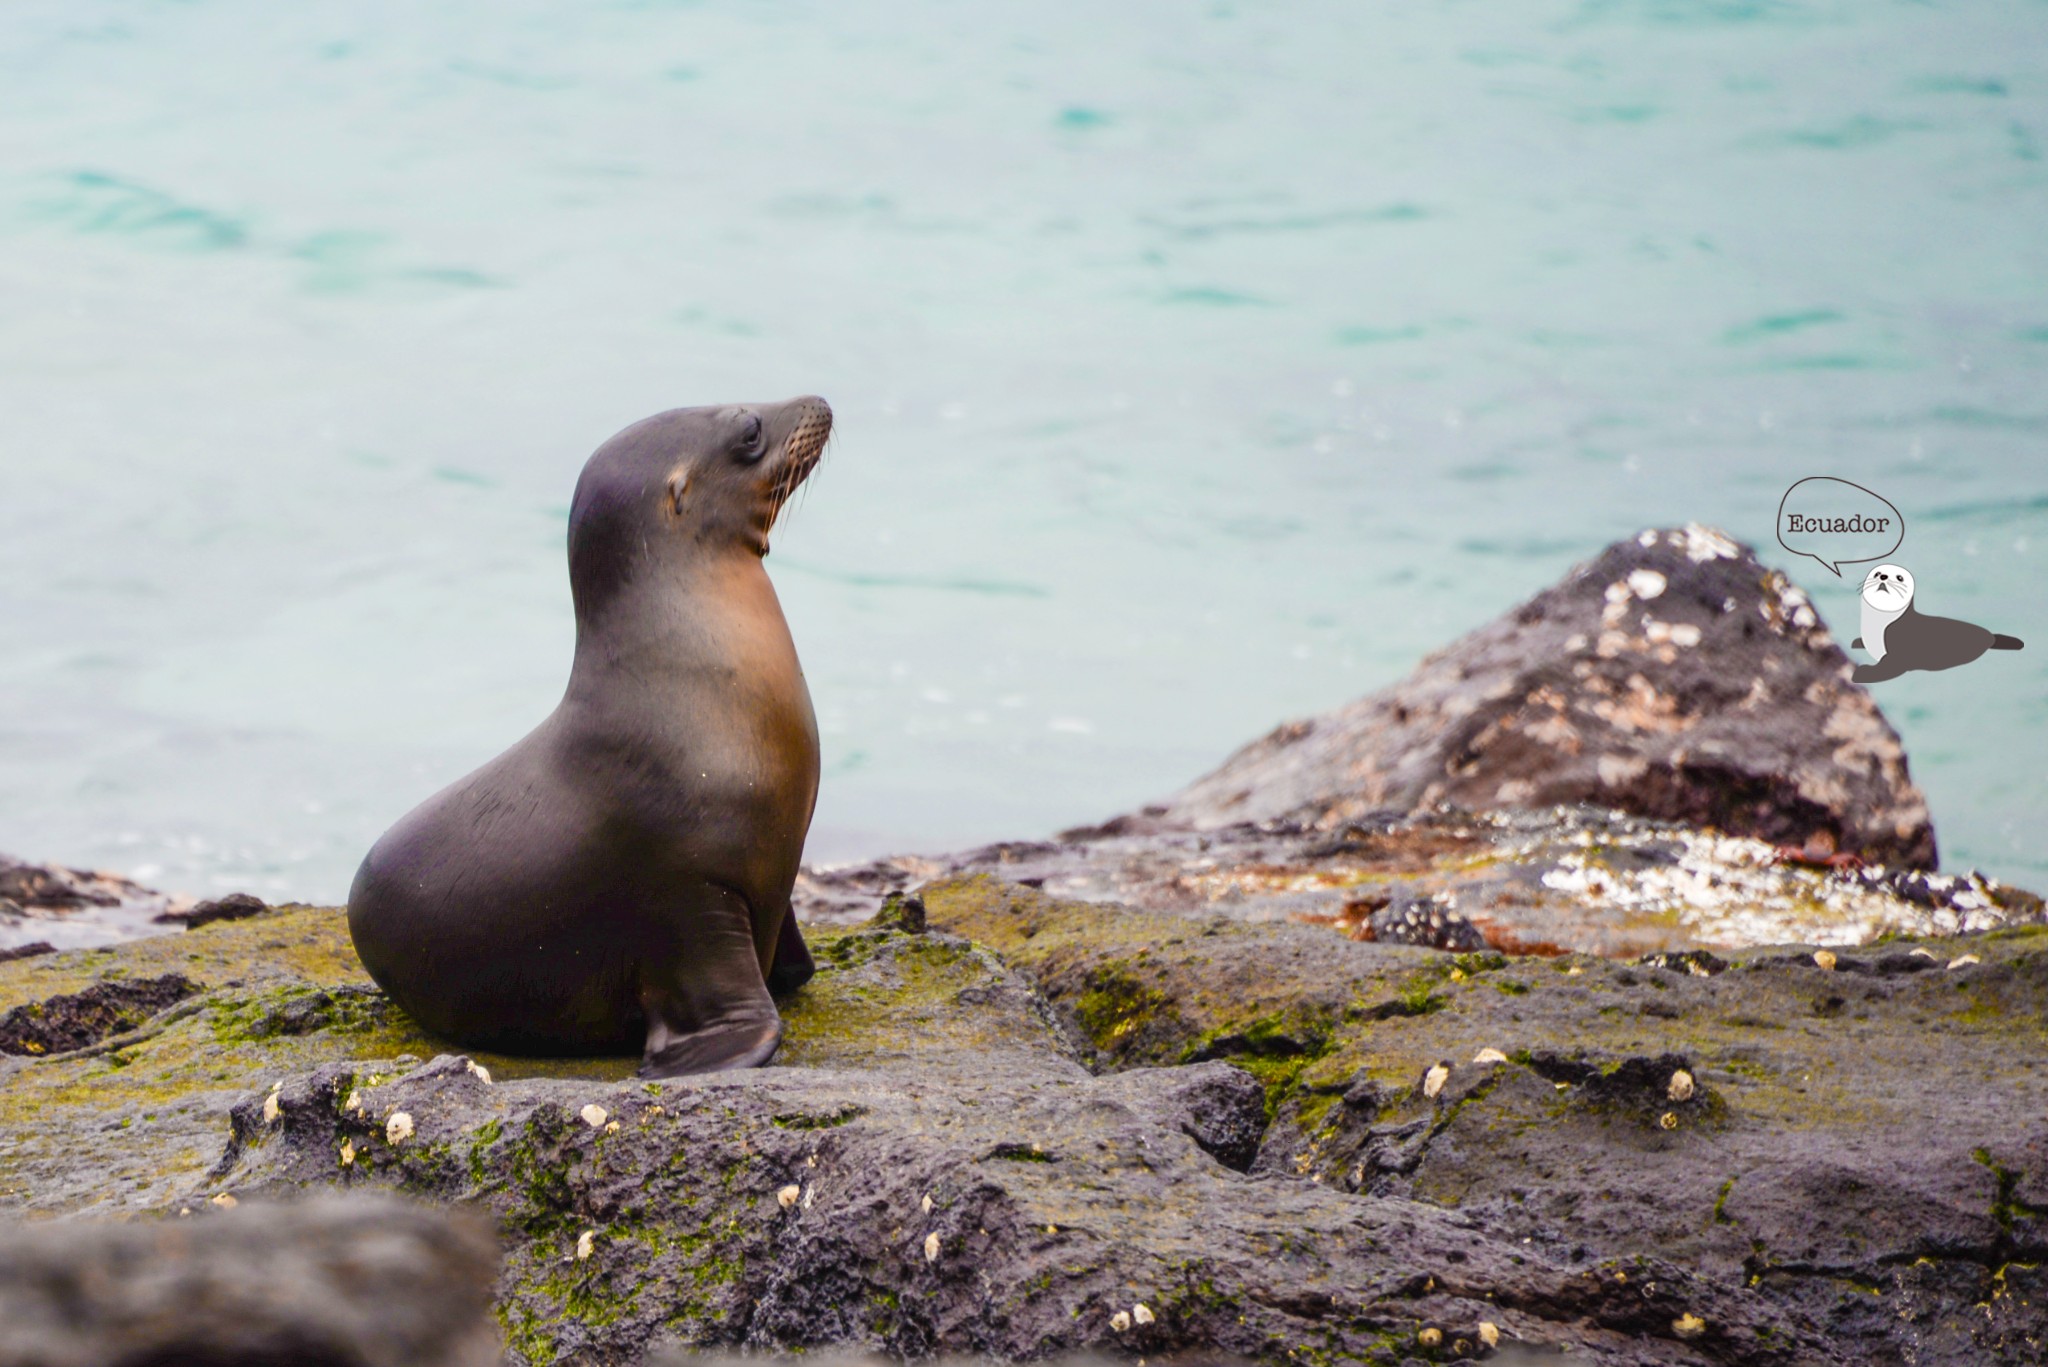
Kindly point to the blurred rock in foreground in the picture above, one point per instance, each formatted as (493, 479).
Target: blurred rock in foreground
(1674, 676)
(328, 1282)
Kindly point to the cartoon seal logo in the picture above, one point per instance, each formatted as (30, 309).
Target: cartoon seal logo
(1901, 639)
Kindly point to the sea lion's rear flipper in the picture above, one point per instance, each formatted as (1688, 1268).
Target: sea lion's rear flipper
(2007, 643)
(708, 1009)
(793, 964)
(1889, 667)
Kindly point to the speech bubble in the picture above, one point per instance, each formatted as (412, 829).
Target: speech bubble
(1838, 523)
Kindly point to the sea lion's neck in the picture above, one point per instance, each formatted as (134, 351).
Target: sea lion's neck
(688, 618)
(1874, 621)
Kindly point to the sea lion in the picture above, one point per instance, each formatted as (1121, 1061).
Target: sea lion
(1901, 639)
(620, 878)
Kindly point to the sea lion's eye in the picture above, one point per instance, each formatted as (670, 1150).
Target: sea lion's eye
(747, 445)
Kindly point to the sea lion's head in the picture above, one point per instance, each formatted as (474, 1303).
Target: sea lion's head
(687, 483)
(1888, 588)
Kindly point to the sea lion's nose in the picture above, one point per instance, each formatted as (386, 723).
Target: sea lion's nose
(811, 407)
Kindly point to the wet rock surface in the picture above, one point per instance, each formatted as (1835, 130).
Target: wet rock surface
(71, 908)
(1674, 676)
(1565, 879)
(332, 1282)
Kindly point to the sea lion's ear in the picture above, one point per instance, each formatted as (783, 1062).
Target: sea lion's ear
(678, 490)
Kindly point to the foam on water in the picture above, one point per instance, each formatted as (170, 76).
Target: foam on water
(1194, 368)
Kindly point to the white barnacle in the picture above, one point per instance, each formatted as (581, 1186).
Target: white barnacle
(355, 1100)
(1964, 961)
(789, 1196)
(398, 1128)
(585, 1243)
(1669, 1120)
(1646, 583)
(1120, 1321)
(810, 1195)
(593, 1116)
(1433, 1081)
(348, 1153)
(1825, 958)
(926, 1204)
(1141, 1313)
(1688, 1326)
(611, 1127)
(1489, 1056)
(272, 1112)
(1681, 1086)
(1489, 1333)
(1430, 1338)
(1923, 952)
(224, 1201)
(931, 1247)
(478, 1071)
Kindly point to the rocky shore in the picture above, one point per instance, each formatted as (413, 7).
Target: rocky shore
(1593, 992)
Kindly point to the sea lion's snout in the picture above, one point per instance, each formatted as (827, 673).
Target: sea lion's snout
(804, 424)
(809, 422)
(1886, 585)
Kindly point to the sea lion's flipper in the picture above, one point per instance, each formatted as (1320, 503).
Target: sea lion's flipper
(793, 965)
(709, 1010)
(1856, 644)
(2007, 643)
(1890, 667)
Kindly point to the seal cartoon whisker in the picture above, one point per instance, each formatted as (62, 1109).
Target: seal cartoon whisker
(1899, 638)
(620, 878)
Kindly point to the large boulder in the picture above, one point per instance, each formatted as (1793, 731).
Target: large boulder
(1674, 676)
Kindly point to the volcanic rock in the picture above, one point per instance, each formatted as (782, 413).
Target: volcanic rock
(1674, 676)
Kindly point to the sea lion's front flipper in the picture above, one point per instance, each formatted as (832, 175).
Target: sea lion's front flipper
(1887, 668)
(708, 1009)
(1856, 644)
(793, 964)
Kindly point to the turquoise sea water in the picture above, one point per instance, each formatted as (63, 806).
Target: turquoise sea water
(1196, 366)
